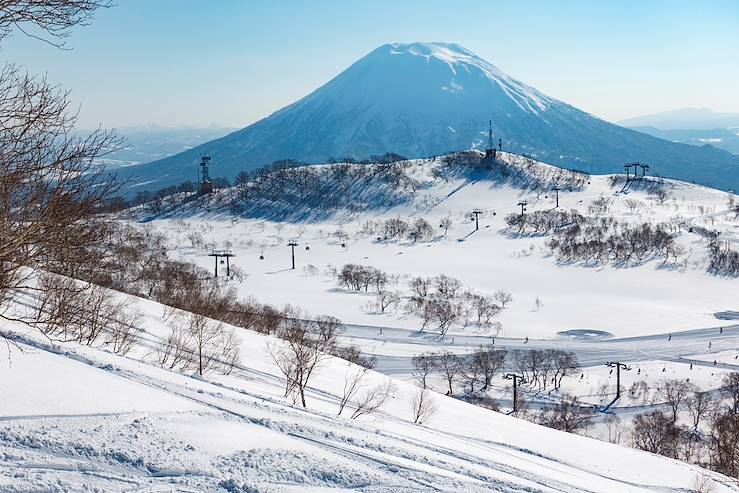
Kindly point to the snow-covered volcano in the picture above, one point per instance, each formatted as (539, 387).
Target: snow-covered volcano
(424, 99)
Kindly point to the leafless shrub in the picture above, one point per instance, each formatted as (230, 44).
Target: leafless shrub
(175, 352)
(567, 415)
(702, 484)
(634, 206)
(123, 332)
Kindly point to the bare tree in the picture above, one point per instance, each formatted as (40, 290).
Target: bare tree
(420, 286)
(447, 286)
(423, 406)
(448, 365)
(423, 366)
(567, 415)
(614, 428)
(303, 348)
(372, 400)
(205, 335)
(656, 432)
(60, 306)
(445, 223)
(489, 361)
(352, 383)
(675, 393)
(502, 297)
(564, 363)
(723, 449)
(699, 405)
(98, 310)
(55, 17)
(484, 307)
(51, 180)
(639, 392)
(730, 391)
(386, 299)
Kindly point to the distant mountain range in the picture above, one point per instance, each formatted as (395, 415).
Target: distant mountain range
(694, 126)
(146, 143)
(423, 99)
(723, 138)
(685, 119)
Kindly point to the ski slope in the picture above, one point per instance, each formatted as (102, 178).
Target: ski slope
(78, 418)
(619, 301)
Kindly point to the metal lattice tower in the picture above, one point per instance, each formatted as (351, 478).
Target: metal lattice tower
(490, 151)
(205, 184)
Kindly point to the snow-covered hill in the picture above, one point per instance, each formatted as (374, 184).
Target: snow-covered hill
(340, 222)
(80, 418)
(425, 99)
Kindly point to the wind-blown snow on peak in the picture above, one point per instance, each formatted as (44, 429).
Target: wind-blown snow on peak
(424, 99)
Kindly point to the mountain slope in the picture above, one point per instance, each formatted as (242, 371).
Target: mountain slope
(425, 99)
(145, 428)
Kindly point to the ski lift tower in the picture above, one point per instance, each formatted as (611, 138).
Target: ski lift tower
(490, 151)
(205, 184)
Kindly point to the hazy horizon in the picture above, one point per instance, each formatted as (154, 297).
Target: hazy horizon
(230, 63)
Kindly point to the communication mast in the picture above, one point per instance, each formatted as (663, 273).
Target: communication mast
(490, 151)
(205, 184)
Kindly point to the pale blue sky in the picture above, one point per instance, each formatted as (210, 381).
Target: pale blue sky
(196, 62)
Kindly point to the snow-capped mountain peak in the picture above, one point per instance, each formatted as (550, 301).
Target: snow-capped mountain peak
(424, 99)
